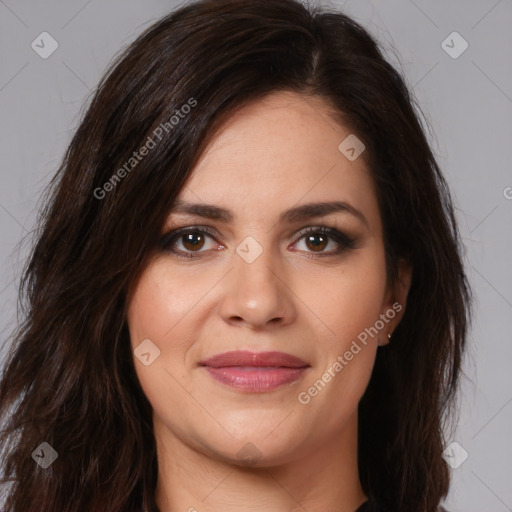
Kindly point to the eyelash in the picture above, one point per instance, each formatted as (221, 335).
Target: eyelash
(345, 242)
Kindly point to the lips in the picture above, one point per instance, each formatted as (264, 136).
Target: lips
(254, 359)
(255, 371)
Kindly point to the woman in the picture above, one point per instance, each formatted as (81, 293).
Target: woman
(246, 291)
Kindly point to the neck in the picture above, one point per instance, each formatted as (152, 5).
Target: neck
(324, 479)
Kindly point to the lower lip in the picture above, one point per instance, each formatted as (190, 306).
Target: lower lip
(255, 379)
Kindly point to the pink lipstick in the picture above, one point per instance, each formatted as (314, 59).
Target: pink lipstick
(255, 372)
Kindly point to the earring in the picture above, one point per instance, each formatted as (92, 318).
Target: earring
(389, 335)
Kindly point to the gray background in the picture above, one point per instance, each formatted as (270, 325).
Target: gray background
(468, 103)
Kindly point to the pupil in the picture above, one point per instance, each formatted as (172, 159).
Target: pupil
(191, 241)
(311, 238)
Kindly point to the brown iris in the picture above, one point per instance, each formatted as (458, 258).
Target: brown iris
(192, 241)
(321, 245)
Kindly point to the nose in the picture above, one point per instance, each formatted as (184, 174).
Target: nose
(258, 294)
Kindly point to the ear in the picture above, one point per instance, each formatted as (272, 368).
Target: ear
(395, 301)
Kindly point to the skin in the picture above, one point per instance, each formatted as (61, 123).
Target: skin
(272, 155)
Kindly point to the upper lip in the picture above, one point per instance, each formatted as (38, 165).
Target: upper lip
(261, 359)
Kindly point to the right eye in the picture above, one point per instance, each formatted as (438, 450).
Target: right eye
(192, 240)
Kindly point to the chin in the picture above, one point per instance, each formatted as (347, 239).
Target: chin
(258, 444)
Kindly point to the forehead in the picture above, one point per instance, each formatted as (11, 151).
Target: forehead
(276, 152)
(282, 127)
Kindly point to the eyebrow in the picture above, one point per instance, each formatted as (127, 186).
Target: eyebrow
(295, 214)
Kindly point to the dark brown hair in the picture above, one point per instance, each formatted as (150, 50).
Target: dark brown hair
(69, 379)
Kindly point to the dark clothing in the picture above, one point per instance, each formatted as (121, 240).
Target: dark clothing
(369, 507)
(373, 507)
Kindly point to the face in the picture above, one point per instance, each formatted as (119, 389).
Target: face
(256, 325)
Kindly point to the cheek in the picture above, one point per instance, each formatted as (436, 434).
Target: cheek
(349, 308)
(155, 313)
(348, 299)
(162, 303)
(158, 312)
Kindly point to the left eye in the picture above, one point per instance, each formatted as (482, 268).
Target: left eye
(316, 241)
(318, 238)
